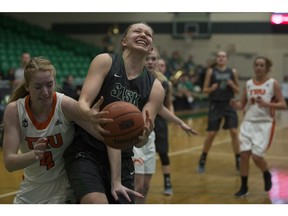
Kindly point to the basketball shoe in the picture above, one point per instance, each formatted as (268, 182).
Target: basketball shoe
(168, 191)
(201, 166)
(243, 192)
(267, 181)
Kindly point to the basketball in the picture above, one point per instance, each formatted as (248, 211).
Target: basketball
(127, 126)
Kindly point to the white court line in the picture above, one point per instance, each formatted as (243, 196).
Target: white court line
(215, 143)
(184, 151)
(8, 194)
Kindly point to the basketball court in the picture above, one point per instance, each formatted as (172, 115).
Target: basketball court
(220, 181)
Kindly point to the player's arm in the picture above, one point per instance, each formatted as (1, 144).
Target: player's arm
(11, 142)
(207, 89)
(68, 106)
(239, 105)
(278, 103)
(169, 116)
(116, 186)
(280, 100)
(97, 72)
(150, 110)
(170, 97)
(234, 84)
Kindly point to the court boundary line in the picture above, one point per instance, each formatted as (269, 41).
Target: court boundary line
(184, 151)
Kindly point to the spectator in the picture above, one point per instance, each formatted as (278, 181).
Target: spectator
(19, 72)
(68, 87)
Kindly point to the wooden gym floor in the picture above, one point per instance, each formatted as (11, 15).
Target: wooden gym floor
(220, 181)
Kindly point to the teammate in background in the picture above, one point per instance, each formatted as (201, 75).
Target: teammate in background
(261, 96)
(145, 157)
(115, 78)
(161, 126)
(39, 122)
(221, 83)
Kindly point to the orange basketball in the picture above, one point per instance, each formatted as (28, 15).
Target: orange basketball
(127, 126)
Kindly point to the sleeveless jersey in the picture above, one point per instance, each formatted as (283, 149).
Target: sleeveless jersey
(223, 92)
(56, 129)
(116, 87)
(264, 90)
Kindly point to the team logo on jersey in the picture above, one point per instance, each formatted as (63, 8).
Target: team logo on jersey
(25, 123)
(58, 122)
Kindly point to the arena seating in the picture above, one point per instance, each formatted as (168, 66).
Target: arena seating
(69, 56)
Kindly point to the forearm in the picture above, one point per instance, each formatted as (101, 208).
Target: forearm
(169, 116)
(15, 162)
(277, 105)
(115, 164)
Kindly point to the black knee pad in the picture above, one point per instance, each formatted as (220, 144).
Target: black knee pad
(164, 159)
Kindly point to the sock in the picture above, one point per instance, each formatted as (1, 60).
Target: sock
(267, 180)
(167, 180)
(244, 181)
(237, 157)
(203, 158)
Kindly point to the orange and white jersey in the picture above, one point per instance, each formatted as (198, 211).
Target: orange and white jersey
(265, 90)
(56, 129)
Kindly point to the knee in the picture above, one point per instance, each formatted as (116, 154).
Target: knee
(164, 159)
(256, 158)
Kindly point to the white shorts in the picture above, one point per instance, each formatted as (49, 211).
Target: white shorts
(145, 157)
(256, 136)
(57, 191)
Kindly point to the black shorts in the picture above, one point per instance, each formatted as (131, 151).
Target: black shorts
(219, 110)
(86, 175)
(161, 135)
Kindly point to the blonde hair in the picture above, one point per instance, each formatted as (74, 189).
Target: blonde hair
(35, 65)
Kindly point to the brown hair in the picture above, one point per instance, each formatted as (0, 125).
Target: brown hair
(33, 66)
(268, 62)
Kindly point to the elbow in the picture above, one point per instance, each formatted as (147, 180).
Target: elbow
(9, 166)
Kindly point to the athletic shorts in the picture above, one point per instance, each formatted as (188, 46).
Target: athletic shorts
(86, 175)
(219, 110)
(57, 191)
(256, 136)
(145, 157)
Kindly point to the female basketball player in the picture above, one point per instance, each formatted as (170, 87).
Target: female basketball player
(38, 122)
(261, 96)
(221, 83)
(115, 78)
(145, 157)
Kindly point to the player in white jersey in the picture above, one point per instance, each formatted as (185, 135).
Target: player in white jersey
(40, 123)
(261, 96)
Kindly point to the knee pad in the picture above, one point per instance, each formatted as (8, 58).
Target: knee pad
(164, 159)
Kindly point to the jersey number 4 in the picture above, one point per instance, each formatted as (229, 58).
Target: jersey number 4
(47, 160)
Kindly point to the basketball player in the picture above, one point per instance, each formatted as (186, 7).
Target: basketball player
(115, 78)
(261, 96)
(145, 157)
(221, 83)
(39, 122)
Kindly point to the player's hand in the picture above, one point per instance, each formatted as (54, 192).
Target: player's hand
(261, 102)
(98, 118)
(39, 148)
(118, 189)
(188, 129)
(214, 86)
(148, 128)
(230, 83)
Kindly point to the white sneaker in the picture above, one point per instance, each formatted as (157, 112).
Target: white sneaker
(168, 191)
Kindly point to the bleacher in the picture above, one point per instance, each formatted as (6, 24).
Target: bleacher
(69, 56)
